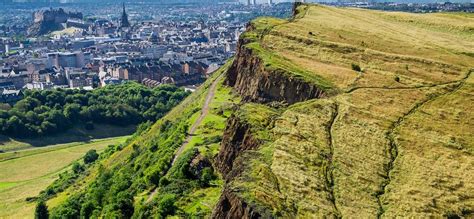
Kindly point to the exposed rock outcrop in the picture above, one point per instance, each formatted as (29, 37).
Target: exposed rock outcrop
(255, 83)
(232, 206)
(237, 139)
(47, 21)
(198, 163)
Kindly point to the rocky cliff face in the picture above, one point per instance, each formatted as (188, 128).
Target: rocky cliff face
(50, 20)
(255, 83)
(232, 206)
(237, 139)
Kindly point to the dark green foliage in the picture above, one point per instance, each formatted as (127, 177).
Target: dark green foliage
(164, 182)
(111, 193)
(207, 176)
(89, 126)
(91, 156)
(356, 67)
(77, 168)
(52, 111)
(180, 169)
(212, 140)
(41, 211)
(397, 78)
(166, 205)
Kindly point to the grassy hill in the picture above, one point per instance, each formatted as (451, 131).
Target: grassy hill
(380, 143)
(336, 112)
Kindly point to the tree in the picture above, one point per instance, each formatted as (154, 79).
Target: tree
(77, 168)
(166, 205)
(41, 211)
(91, 156)
(52, 111)
(72, 111)
(206, 176)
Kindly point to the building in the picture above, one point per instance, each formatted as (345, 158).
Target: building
(66, 60)
(39, 86)
(10, 96)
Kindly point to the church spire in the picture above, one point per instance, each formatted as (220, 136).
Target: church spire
(124, 20)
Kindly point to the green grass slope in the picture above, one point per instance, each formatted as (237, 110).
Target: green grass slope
(24, 174)
(140, 177)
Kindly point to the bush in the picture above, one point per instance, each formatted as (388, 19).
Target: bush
(397, 79)
(41, 211)
(166, 205)
(212, 140)
(356, 67)
(91, 156)
(206, 176)
(77, 168)
(164, 182)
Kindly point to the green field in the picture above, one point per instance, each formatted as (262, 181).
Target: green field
(76, 134)
(25, 173)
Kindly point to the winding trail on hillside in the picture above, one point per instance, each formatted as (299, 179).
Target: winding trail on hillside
(393, 147)
(329, 174)
(204, 112)
(192, 130)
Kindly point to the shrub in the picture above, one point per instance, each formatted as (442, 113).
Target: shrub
(356, 67)
(91, 156)
(77, 168)
(397, 79)
(164, 182)
(212, 140)
(206, 176)
(166, 205)
(41, 211)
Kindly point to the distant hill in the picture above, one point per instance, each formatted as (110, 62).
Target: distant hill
(47, 21)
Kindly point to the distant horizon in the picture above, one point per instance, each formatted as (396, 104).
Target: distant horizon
(241, 1)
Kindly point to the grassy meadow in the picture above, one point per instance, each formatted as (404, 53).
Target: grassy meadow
(76, 134)
(25, 173)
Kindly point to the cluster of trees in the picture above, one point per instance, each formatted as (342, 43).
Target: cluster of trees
(52, 111)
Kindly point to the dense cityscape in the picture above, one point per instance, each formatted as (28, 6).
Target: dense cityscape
(60, 47)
